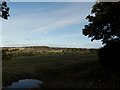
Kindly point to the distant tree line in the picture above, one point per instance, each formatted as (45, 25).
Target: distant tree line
(8, 52)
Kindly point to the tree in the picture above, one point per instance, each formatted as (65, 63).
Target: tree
(104, 22)
(105, 26)
(109, 55)
(4, 10)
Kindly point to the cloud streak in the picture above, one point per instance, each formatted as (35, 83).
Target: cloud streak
(61, 23)
(51, 24)
(66, 16)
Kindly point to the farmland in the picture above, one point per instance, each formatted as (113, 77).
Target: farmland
(63, 68)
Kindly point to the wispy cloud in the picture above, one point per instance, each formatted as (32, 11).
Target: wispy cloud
(48, 24)
(68, 35)
(67, 16)
(44, 22)
(70, 20)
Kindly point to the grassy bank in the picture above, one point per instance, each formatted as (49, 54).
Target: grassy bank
(61, 71)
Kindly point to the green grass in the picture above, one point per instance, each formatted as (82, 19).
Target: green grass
(61, 71)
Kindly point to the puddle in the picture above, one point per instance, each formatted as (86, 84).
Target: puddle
(25, 83)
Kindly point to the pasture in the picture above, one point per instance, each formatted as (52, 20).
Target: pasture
(61, 71)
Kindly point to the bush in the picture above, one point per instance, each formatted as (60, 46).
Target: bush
(6, 55)
(109, 55)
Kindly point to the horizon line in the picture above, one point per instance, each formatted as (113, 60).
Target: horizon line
(47, 46)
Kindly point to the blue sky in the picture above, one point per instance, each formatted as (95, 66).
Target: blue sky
(54, 24)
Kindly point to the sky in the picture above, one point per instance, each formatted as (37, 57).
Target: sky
(64, 0)
(53, 24)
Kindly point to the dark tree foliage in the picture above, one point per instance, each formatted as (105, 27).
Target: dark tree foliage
(104, 22)
(4, 10)
(105, 26)
(109, 55)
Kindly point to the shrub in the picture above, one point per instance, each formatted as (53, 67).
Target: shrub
(6, 56)
(109, 55)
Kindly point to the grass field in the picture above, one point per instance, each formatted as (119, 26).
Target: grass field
(61, 71)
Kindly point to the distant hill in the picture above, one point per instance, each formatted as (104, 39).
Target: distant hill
(46, 48)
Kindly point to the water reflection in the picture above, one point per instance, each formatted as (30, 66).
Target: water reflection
(25, 83)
